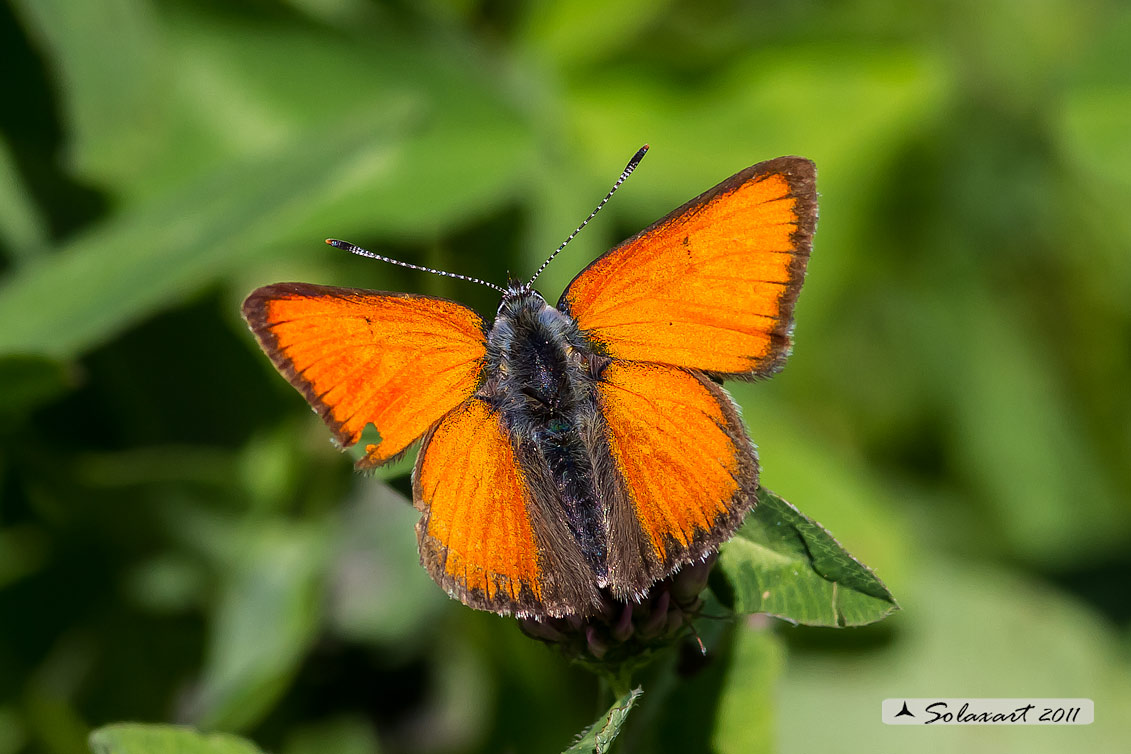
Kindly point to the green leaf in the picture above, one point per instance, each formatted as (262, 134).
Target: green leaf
(784, 564)
(744, 717)
(136, 738)
(104, 88)
(598, 737)
(85, 292)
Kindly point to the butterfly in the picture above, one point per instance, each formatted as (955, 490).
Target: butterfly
(576, 450)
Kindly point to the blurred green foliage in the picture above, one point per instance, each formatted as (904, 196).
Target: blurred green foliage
(125, 738)
(180, 543)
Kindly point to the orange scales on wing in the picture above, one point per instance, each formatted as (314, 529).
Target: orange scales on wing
(712, 285)
(472, 491)
(667, 438)
(397, 361)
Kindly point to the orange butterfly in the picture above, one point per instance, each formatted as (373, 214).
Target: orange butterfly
(573, 449)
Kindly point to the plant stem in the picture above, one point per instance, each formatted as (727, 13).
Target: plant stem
(616, 684)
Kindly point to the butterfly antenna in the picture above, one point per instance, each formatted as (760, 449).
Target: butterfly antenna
(636, 158)
(366, 253)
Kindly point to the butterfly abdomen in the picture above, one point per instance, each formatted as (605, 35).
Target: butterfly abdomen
(545, 395)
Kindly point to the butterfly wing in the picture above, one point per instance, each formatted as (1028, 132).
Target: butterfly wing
(397, 361)
(689, 471)
(709, 289)
(711, 286)
(481, 536)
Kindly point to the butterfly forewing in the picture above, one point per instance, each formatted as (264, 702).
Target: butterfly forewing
(711, 286)
(394, 360)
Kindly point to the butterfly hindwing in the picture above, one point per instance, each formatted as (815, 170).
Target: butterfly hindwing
(689, 472)
(711, 286)
(485, 535)
(395, 360)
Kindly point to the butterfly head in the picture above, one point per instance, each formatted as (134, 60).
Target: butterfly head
(518, 296)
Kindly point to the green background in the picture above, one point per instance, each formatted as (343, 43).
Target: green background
(180, 542)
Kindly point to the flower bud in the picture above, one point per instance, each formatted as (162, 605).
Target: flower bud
(621, 632)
